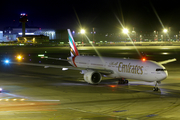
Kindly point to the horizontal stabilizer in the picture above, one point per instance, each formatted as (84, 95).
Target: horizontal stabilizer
(167, 61)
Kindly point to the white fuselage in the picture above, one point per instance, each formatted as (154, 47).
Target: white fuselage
(122, 68)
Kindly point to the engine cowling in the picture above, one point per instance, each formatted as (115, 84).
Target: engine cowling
(92, 77)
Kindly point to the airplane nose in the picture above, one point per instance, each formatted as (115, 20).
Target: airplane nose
(164, 75)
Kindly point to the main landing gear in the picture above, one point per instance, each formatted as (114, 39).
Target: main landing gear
(156, 86)
(123, 81)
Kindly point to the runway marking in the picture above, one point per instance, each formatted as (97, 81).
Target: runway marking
(120, 111)
(151, 115)
(12, 99)
(46, 100)
(114, 116)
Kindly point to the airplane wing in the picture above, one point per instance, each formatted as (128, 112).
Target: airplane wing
(167, 61)
(102, 71)
(55, 58)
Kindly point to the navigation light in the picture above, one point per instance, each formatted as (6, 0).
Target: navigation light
(143, 59)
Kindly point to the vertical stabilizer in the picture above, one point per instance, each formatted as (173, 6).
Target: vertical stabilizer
(73, 48)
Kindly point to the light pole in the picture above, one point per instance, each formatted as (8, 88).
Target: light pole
(125, 31)
(134, 35)
(82, 32)
(165, 32)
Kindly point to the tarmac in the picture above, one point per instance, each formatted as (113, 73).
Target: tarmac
(31, 92)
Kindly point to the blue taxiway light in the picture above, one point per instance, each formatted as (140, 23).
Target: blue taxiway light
(6, 61)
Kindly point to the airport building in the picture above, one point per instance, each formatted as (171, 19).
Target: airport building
(11, 33)
(23, 33)
(1, 35)
(33, 39)
(53, 34)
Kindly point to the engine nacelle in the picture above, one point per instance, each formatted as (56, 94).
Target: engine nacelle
(92, 77)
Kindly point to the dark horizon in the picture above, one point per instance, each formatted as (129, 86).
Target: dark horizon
(98, 14)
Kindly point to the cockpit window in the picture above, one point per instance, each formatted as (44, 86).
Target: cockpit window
(160, 69)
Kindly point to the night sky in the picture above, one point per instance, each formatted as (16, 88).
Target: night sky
(100, 14)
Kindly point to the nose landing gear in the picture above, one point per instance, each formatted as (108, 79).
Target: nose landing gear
(156, 86)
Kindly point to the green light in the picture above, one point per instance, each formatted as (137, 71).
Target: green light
(40, 55)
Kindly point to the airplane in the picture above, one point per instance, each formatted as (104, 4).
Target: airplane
(95, 67)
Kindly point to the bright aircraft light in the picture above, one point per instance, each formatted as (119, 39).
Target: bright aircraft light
(144, 59)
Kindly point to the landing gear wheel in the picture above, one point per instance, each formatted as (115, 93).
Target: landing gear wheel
(156, 84)
(155, 89)
(123, 81)
(120, 82)
(126, 81)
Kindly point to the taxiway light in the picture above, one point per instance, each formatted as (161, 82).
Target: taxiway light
(64, 69)
(19, 57)
(6, 61)
(164, 53)
(40, 55)
(22, 99)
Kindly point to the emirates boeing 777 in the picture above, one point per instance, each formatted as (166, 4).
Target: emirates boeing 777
(94, 67)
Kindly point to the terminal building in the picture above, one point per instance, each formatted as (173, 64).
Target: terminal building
(11, 33)
(23, 33)
(33, 39)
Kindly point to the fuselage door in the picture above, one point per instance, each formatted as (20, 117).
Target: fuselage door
(146, 70)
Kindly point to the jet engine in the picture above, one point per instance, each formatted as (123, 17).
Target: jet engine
(92, 77)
